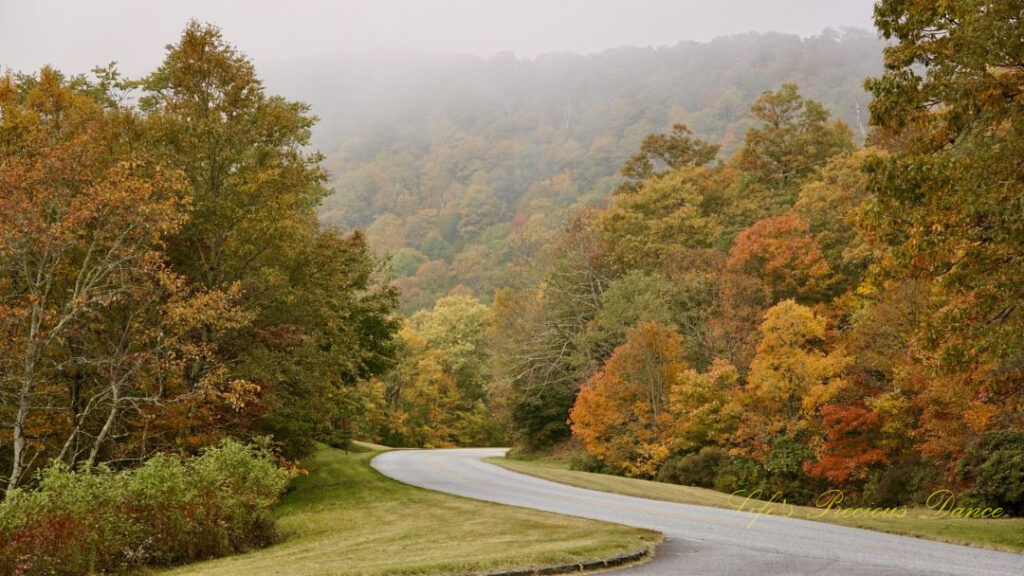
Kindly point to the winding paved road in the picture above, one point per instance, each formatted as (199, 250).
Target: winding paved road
(698, 539)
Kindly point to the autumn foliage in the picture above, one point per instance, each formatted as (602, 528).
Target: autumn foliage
(623, 413)
(164, 282)
(853, 318)
(167, 512)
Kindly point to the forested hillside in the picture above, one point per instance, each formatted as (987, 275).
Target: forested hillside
(456, 166)
(806, 313)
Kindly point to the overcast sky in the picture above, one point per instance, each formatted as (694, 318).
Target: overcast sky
(75, 35)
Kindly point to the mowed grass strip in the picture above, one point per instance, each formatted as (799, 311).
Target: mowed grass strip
(998, 534)
(345, 518)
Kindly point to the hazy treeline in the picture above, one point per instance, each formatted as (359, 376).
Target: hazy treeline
(456, 165)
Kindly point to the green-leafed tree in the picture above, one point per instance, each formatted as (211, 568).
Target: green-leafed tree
(660, 219)
(792, 141)
(321, 321)
(947, 205)
(661, 153)
(832, 207)
(457, 329)
(440, 392)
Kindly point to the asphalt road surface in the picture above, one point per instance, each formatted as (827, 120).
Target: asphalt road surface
(698, 539)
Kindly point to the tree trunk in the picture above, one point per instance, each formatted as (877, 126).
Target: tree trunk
(115, 405)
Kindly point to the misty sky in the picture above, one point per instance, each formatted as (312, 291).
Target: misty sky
(75, 35)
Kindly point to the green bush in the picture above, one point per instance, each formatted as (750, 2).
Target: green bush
(694, 469)
(902, 481)
(782, 473)
(784, 470)
(584, 461)
(739, 474)
(995, 468)
(169, 511)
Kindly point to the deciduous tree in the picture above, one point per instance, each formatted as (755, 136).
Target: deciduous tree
(791, 377)
(82, 219)
(623, 415)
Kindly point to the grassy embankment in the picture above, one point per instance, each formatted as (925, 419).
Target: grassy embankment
(999, 534)
(345, 518)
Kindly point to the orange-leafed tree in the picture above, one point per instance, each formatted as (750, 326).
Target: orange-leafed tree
(775, 259)
(784, 258)
(623, 414)
(82, 216)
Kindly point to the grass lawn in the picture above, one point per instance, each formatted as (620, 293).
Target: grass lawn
(345, 518)
(999, 534)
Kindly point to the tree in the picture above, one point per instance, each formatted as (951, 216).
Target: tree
(537, 334)
(435, 396)
(702, 405)
(850, 446)
(457, 328)
(969, 53)
(325, 327)
(321, 322)
(791, 377)
(673, 151)
(783, 257)
(252, 186)
(773, 260)
(945, 208)
(661, 218)
(792, 141)
(633, 299)
(833, 207)
(82, 218)
(622, 415)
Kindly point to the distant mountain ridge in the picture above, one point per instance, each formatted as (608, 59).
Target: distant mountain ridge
(456, 162)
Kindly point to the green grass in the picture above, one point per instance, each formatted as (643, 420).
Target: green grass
(1000, 534)
(345, 518)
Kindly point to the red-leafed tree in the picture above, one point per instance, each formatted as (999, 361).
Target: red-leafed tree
(850, 445)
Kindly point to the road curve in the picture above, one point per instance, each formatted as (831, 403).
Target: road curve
(700, 540)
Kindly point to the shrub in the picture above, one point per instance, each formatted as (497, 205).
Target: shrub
(584, 461)
(995, 467)
(903, 481)
(169, 511)
(694, 469)
(739, 474)
(782, 472)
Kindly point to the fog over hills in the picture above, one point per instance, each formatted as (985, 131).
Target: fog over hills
(350, 92)
(448, 161)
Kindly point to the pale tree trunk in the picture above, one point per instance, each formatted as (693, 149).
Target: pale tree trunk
(108, 425)
(25, 392)
(17, 468)
(87, 286)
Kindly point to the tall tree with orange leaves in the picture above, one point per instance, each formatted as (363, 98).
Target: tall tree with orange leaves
(623, 414)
